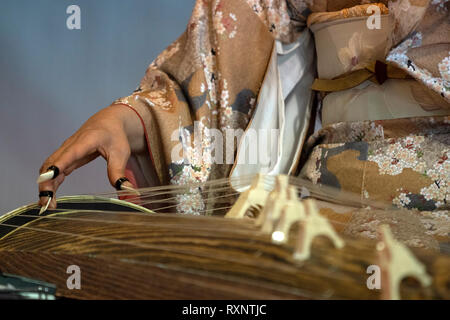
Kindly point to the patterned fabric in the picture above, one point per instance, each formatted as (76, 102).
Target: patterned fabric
(357, 47)
(425, 54)
(422, 229)
(356, 11)
(402, 161)
(420, 34)
(209, 78)
(336, 5)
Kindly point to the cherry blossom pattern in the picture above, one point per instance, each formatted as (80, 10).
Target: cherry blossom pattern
(195, 166)
(399, 155)
(398, 56)
(437, 222)
(225, 106)
(444, 68)
(409, 152)
(439, 189)
(314, 165)
(355, 54)
(365, 131)
(275, 14)
(190, 203)
(169, 52)
(224, 24)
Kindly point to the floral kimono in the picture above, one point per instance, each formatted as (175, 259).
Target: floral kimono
(385, 136)
(210, 79)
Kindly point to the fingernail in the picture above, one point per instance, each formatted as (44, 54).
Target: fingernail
(52, 172)
(44, 208)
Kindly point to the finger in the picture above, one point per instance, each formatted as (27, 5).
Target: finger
(79, 152)
(56, 154)
(73, 156)
(53, 184)
(49, 186)
(123, 184)
(117, 161)
(79, 163)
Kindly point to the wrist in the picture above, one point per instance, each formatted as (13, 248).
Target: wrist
(132, 126)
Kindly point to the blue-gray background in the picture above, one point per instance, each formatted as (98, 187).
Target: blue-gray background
(52, 79)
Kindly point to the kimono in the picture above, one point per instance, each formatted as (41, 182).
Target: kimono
(385, 135)
(225, 72)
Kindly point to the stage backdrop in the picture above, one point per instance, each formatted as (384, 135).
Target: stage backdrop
(54, 76)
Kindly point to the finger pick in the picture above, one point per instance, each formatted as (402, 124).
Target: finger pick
(44, 208)
(52, 172)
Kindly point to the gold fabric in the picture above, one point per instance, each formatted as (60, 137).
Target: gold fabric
(356, 78)
(356, 11)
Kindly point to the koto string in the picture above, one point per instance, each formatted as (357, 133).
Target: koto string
(58, 217)
(313, 190)
(307, 294)
(326, 275)
(53, 216)
(139, 224)
(221, 185)
(319, 192)
(218, 185)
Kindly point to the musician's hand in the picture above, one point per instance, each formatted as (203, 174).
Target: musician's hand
(112, 133)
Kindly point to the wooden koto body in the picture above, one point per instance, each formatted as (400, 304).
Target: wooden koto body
(132, 255)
